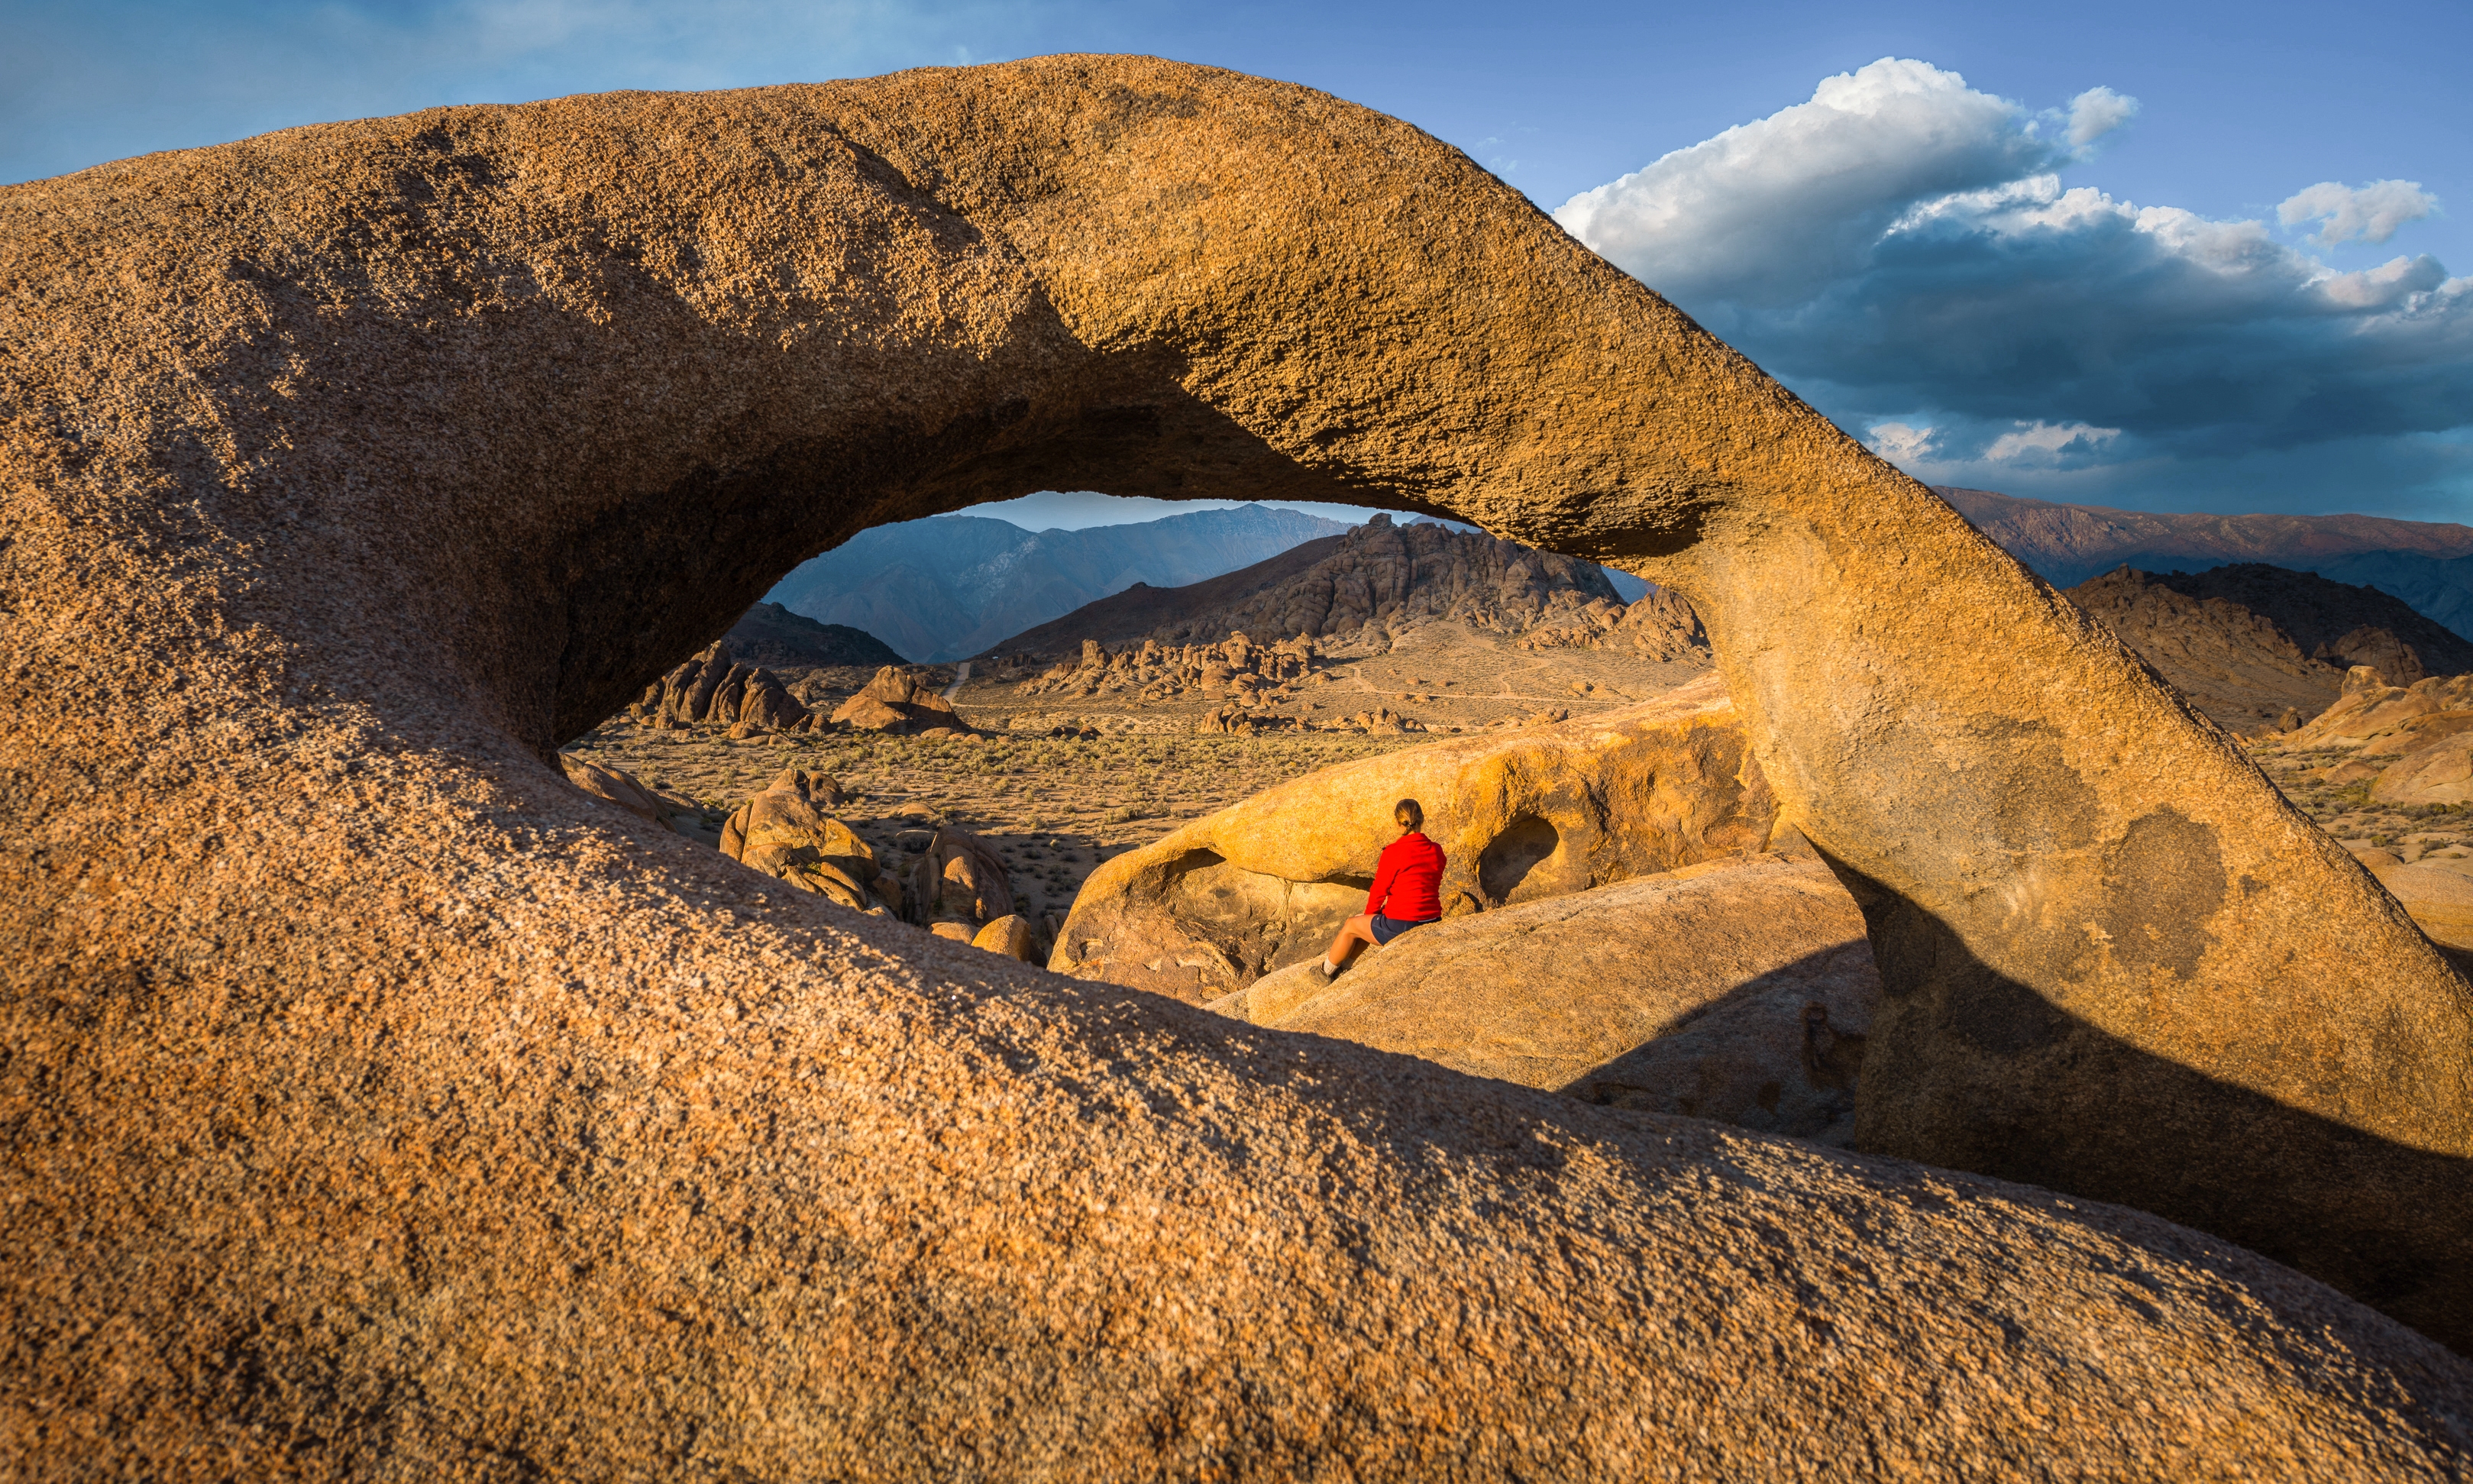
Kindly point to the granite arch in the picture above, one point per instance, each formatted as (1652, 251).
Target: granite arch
(350, 469)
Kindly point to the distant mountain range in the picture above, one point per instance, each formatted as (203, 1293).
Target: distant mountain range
(771, 635)
(954, 586)
(2261, 648)
(2429, 564)
(1378, 574)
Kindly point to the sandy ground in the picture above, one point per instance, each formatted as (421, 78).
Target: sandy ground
(2347, 810)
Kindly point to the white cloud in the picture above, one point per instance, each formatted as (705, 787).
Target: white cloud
(2096, 112)
(1903, 252)
(1902, 444)
(2371, 213)
(2045, 442)
(1772, 211)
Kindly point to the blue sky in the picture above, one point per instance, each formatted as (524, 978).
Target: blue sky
(2166, 256)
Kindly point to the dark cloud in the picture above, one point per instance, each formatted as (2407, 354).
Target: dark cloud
(1901, 250)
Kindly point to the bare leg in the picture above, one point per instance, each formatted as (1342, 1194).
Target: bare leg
(1358, 929)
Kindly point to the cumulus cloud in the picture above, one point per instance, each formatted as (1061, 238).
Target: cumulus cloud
(2371, 213)
(2095, 113)
(1901, 250)
(1902, 443)
(1704, 223)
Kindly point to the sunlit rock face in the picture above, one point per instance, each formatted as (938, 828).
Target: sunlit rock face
(1537, 813)
(380, 1104)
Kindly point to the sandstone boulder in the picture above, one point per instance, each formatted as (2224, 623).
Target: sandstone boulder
(901, 698)
(959, 876)
(715, 689)
(1009, 935)
(2439, 770)
(1535, 813)
(1738, 990)
(613, 785)
(2439, 893)
(784, 832)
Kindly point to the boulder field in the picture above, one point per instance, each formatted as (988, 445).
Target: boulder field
(379, 1105)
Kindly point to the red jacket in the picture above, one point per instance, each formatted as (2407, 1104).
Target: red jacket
(1408, 879)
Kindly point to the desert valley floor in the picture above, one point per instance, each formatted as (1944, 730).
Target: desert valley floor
(1059, 784)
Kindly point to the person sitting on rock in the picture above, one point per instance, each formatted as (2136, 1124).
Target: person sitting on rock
(1407, 892)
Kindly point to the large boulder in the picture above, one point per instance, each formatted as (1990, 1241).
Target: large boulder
(959, 877)
(617, 786)
(784, 832)
(2413, 742)
(900, 699)
(716, 690)
(379, 1106)
(1523, 816)
(1738, 990)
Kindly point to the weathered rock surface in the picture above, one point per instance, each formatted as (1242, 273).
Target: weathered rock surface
(1536, 813)
(527, 1143)
(958, 877)
(784, 832)
(717, 690)
(900, 699)
(1738, 990)
(1009, 935)
(2414, 743)
(615, 785)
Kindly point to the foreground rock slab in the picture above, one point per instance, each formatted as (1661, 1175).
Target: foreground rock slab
(1738, 990)
(377, 1105)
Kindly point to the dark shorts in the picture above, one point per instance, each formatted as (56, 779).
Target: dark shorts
(1387, 928)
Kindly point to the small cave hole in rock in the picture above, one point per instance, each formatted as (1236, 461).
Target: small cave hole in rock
(1507, 862)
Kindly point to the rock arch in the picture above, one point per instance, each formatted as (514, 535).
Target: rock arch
(377, 1103)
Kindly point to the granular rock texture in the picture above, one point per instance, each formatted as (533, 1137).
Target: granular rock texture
(379, 1105)
(957, 878)
(716, 689)
(1523, 816)
(784, 832)
(900, 699)
(1661, 627)
(1738, 990)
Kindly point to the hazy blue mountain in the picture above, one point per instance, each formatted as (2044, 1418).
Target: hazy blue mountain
(2440, 588)
(2428, 564)
(952, 586)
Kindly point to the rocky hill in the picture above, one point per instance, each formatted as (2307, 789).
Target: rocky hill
(2428, 564)
(952, 586)
(771, 635)
(2260, 648)
(1378, 578)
